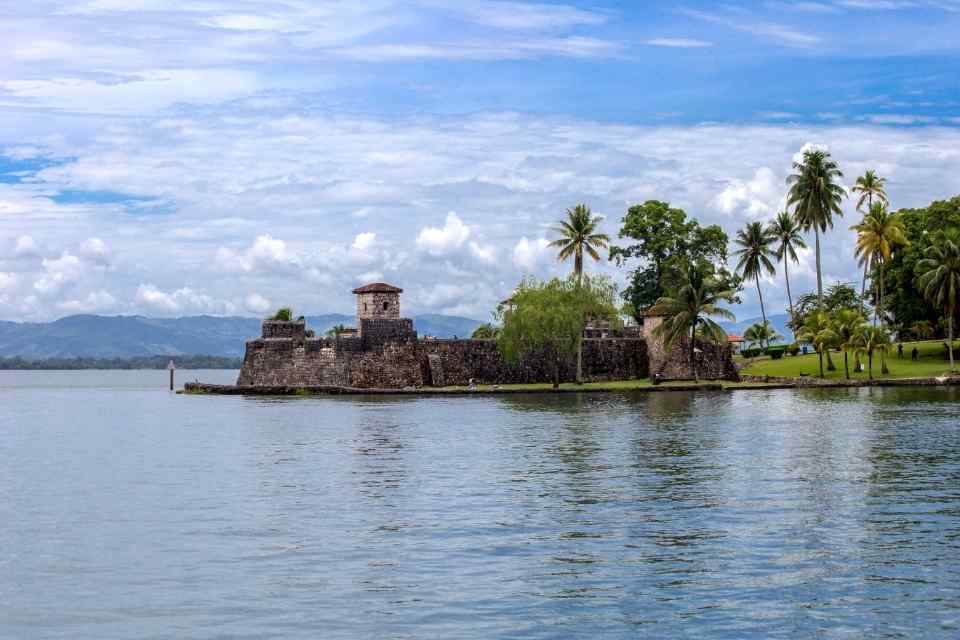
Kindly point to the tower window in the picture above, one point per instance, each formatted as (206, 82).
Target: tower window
(386, 305)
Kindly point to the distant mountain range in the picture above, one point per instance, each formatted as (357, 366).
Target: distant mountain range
(778, 320)
(91, 336)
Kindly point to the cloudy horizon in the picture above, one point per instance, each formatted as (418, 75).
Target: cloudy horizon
(169, 158)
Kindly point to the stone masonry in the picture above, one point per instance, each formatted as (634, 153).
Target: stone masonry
(385, 353)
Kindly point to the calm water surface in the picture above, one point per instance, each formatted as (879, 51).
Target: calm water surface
(128, 512)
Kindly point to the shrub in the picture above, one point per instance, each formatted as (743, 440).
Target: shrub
(793, 349)
(776, 354)
(284, 315)
(751, 353)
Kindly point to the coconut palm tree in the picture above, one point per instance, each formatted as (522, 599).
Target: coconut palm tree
(940, 278)
(818, 331)
(869, 339)
(337, 329)
(845, 324)
(688, 312)
(815, 194)
(869, 186)
(759, 333)
(879, 234)
(578, 235)
(786, 233)
(755, 252)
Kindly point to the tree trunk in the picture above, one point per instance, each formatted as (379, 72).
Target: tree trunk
(870, 363)
(846, 366)
(816, 233)
(693, 354)
(830, 365)
(556, 372)
(763, 312)
(950, 337)
(820, 353)
(786, 272)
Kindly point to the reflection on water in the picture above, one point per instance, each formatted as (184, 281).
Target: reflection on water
(136, 513)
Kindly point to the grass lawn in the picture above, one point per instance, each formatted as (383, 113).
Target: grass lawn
(931, 364)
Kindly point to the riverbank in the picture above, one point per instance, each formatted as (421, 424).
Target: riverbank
(628, 386)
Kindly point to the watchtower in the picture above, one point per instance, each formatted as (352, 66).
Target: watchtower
(378, 301)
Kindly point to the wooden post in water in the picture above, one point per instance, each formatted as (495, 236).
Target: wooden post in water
(171, 368)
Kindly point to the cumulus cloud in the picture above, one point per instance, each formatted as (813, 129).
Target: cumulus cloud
(529, 254)
(58, 273)
(265, 254)
(256, 303)
(94, 302)
(180, 301)
(25, 246)
(96, 251)
(445, 240)
(761, 196)
(363, 241)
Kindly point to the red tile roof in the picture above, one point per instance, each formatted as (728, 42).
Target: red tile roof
(378, 287)
(734, 338)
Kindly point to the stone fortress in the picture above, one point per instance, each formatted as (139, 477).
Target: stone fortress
(384, 352)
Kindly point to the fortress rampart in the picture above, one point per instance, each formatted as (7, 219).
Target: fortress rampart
(386, 353)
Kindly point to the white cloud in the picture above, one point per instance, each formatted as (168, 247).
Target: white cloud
(363, 241)
(256, 303)
(182, 301)
(679, 43)
(96, 251)
(446, 240)
(58, 273)
(267, 254)
(528, 254)
(25, 246)
(760, 196)
(7, 280)
(95, 302)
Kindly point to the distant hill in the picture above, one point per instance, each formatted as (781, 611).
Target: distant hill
(778, 320)
(92, 336)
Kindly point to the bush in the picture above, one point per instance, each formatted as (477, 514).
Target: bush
(776, 354)
(284, 314)
(751, 353)
(793, 349)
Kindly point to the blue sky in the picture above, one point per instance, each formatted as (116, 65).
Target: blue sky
(170, 157)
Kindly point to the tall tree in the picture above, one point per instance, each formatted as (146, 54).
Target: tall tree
(690, 309)
(786, 233)
(815, 194)
(818, 331)
(869, 187)
(879, 234)
(578, 235)
(755, 252)
(869, 339)
(759, 333)
(845, 324)
(940, 278)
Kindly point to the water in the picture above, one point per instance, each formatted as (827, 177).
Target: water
(128, 512)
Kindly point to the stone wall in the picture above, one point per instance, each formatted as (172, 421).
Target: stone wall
(378, 305)
(376, 332)
(283, 329)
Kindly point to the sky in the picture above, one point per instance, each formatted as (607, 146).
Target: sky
(168, 157)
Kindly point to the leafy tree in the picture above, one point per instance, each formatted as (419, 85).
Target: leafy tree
(578, 235)
(845, 324)
(869, 186)
(786, 232)
(869, 339)
(921, 329)
(689, 310)
(665, 241)
(760, 333)
(879, 234)
(940, 279)
(338, 329)
(816, 194)
(755, 253)
(818, 331)
(549, 317)
(486, 331)
(284, 314)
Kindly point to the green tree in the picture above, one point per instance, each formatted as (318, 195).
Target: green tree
(689, 310)
(664, 241)
(760, 333)
(284, 314)
(816, 194)
(486, 331)
(921, 329)
(879, 234)
(845, 324)
(869, 339)
(786, 232)
(578, 235)
(548, 318)
(338, 329)
(940, 279)
(818, 331)
(869, 186)
(754, 257)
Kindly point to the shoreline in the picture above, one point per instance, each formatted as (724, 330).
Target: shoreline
(200, 388)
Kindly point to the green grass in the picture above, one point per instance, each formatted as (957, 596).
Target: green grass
(931, 364)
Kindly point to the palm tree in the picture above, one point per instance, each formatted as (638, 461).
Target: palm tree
(869, 339)
(337, 329)
(785, 231)
(879, 234)
(759, 333)
(869, 186)
(755, 253)
(845, 324)
(817, 330)
(816, 195)
(940, 278)
(578, 235)
(689, 311)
